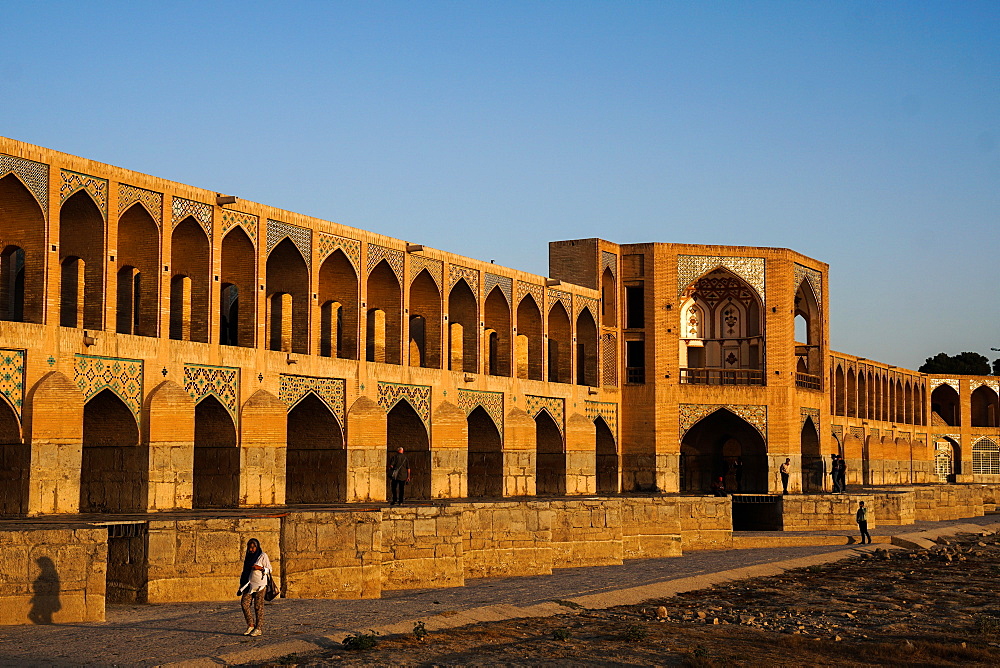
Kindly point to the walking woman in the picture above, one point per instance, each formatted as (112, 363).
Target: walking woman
(253, 582)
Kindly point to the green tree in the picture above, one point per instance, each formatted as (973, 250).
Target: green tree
(967, 364)
(996, 367)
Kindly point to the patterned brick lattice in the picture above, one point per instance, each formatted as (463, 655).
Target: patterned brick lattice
(202, 213)
(953, 382)
(328, 243)
(506, 284)
(955, 437)
(809, 413)
(555, 407)
(418, 396)
(492, 403)
(992, 384)
(858, 432)
(609, 359)
(813, 277)
(300, 236)
(221, 382)
(905, 435)
(873, 433)
(458, 272)
(34, 176)
(565, 298)
(604, 409)
(690, 414)
(12, 378)
(120, 375)
(692, 267)
(609, 261)
(393, 257)
(72, 182)
(536, 291)
(151, 201)
(331, 391)
(435, 268)
(838, 432)
(249, 222)
(588, 303)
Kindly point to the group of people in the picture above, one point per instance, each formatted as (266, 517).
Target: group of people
(838, 470)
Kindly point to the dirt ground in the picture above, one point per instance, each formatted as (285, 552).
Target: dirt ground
(935, 607)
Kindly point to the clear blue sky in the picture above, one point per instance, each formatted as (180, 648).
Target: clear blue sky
(864, 134)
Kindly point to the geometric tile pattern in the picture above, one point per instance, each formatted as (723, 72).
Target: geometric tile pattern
(588, 303)
(95, 187)
(300, 236)
(331, 391)
(992, 384)
(953, 382)
(536, 292)
(221, 382)
(905, 435)
(609, 261)
(471, 276)
(505, 282)
(873, 433)
(12, 377)
(858, 432)
(34, 176)
(392, 256)
(152, 202)
(122, 376)
(609, 359)
(492, 403)
(247, 221)
(418, 396)
(555, 407)
(606, 410)
(563, 297)
(692, 413)
(838, 432)
(202, 213)
(435, 268)
(813, 278)
(328, 243)
(692, 267)
(809, 413)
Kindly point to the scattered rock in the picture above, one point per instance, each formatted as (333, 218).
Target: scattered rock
(661, 612)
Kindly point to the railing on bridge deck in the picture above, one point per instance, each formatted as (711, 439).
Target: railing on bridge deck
(703, 376)
(808, 381)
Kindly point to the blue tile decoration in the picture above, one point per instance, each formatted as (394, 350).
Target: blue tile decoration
(12, 377)
(300, 236)
(605, 409)
(34, 176)
(506, 284)
(202, 213)
(97, 188)
(151, 201)
(418, 396)
(331, 391)
(247, 221)
(123, 376)
(554, 406)
(492, 403)
(221, 382)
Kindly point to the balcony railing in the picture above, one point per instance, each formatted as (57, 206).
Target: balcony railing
(635, 374)
(808, 381)
(722, 376)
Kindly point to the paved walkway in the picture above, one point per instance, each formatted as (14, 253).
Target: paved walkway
(210, 633)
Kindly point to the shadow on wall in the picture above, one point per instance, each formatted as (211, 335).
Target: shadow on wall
(45, 602)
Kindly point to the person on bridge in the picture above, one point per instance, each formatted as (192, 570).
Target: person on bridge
(253, 582)
(399, 475)
(861, 517)
(784, 474)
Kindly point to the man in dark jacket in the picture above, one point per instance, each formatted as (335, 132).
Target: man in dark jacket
(861, 517)
(399, 474)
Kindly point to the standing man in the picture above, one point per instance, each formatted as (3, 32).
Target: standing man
(861, 517)
(842, 473)
(834, 473)
(784, 474)
(399, 475)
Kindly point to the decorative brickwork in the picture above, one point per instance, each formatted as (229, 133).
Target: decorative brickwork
(300, 236)
(692, 267)
(536, 291)
(331, 391)
(506, 284)
(492, 403)
(587, 303)
(905, 435)
(838, 432)
(34, 176)
(859, 432)
(458, 272)
(394, 257)
(434, 267)
(120, 375)
(564, 297)
(249, 222)
(202, 213)
(221, 382)
(609, 359)
(809, 413)
(873, 433)
(953, 382)
(151, 201)
(690, 414)
(992, 384)
(328, 243)
(813, 277)
(12, 377)
(605, 409)
(418, 396)
(95, 187)
(609, 261)
(554, 406)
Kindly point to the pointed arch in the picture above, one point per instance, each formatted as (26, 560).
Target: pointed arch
(405, 429)
(586, 349)
(985, 457)
(485, 455)
(81, 238)
(560, 361)
(425, 321)
(852, 394)
(463, 328)
(985, 407)
(190, 269)
(383, 341)
(529, 349)
(712, 449)
(22, 243)
(609, 299)
(216, 456)
(812, 457)
(287, 278)
(550, 456)
(237, 296)
(15, 463)
(113, 475)
(608, 471)
(862, 394)
(840, 390)
(338, 298)
(316, 464)
(497, 350)
(138, 307)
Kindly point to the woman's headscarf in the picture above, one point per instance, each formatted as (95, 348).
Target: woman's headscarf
(249, 560)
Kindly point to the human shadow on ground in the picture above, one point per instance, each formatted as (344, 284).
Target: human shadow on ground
(45, 587)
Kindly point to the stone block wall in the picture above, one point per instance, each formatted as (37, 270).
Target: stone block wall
(826, 512)
(422, 547)
(506, 539)
(895, 508)
(651, 528)
(586, 532)
(706, 522)
(947, 502)
(332, 555)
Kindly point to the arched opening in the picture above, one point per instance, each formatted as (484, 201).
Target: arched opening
(287, 274)
(985, 457)
(405, 429)
(15, 464)
(609, 299)
(81, 235)
(692, 346)
(338, 293)
(711, 448)
(485, 456)
(560, 339)
(900, 400)
(944, 460)
(944, 402)
(984, 407)
(852, 395)
(138, 309)
(496, 314)
(238, 322)
(112, 472)
(586, 349)
(22, 228)
(190, 266)
(425, 322)
(316, 465)
(529, 347)
(812, 458)
(862, 395)
(384, 332)
(216, 456)
(840, 391)
(463, 311)
(550, 457)
(808, 334)
(608, 480)
(71, 285)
